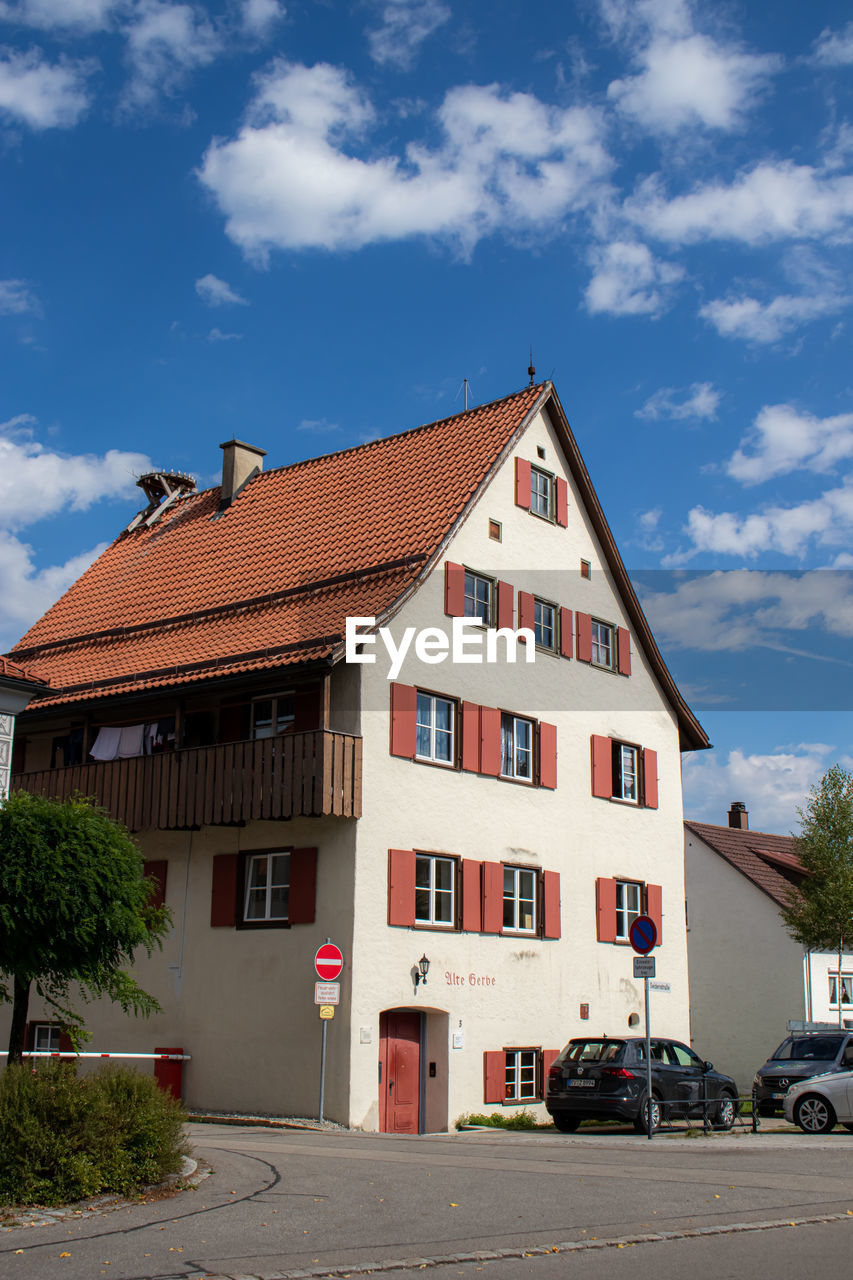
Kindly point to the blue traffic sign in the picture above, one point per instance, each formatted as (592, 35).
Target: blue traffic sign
(643, 934)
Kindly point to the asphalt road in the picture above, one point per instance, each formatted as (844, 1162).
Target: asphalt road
(310, 1204)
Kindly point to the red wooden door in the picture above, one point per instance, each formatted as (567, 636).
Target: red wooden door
(400, 1083)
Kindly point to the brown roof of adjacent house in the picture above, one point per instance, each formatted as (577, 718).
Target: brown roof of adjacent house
(12, 671)
(270, 580)
(769, 861)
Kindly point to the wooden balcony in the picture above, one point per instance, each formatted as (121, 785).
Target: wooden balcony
(293, 776)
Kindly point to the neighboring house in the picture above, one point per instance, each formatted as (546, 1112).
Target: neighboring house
(504, 822)
(18, 687)
(748, 977)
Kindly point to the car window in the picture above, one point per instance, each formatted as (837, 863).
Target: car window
(847, 1056)
(806, 1048)
(683, 1056)
(594, 1050)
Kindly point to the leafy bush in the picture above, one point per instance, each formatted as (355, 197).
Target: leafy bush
(66, 1138)
(501, 1120)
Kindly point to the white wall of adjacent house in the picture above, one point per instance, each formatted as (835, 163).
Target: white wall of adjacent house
(746, 972)
(491, 992)
(825, 989)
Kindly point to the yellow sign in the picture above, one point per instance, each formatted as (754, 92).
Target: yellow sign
(327, 1011)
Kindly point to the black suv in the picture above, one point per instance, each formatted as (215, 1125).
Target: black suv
(605, 1079)
(804, 1054)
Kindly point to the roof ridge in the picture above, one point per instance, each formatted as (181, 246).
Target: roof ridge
(738, 831)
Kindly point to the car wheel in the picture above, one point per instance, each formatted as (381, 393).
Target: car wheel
(641, 1119)
(565, 1121)
(725, 1112)
(814, 1114)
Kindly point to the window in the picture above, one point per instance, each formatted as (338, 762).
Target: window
(846, 988)
(516, 747)
(495, 530)
(629, 905)
(271, 716)
(46, 1038)
(586, 569)
(267, 887)
(545, 624)
(435, 880)
(625, 772)
(541, 493)
(522, 1083)
(435, 728)
(602, 644)
(519, 900)
(479, 593)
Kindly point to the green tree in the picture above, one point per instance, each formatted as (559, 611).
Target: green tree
(74, 906)
(820, 915)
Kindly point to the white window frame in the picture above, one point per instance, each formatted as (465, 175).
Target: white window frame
(281, 721)
(271, 882)
(517, 1072)
(52, 1036)
(435, 733)
(516, 880)
(539, 626)
(629, 905)
(846, 989)
(603, 644)
(541, 493)
(623, 776)
(512, 771)
(434, 893)
(479, 597)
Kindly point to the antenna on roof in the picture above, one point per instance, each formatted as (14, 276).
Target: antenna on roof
(465, 388)
(531, 369)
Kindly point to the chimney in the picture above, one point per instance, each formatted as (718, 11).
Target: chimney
(738, 816)
(240, 461)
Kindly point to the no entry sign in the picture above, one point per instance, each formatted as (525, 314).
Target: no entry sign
(328, 961)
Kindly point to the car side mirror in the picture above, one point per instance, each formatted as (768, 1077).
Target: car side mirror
(708, 1066)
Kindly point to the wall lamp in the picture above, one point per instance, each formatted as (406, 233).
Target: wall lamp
(422, 971)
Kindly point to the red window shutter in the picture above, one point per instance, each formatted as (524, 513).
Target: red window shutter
(29, 1035)
(303, 885)
(223, 897)
(522, 483)
(494, 1076)
(547, 755)
(602, 766)
(562, 502)
(454, 590)
(566, 637)
(551, 904)
(526, 607)
(234, 723)
(471, 737)
(65, 1045)
(654, 907)
(306, 710)
(490, 741)
(156, 871)
(623, 649)
(605, 909)
(583, 623)
(401, 887)
(650, 779)
(505, 618)
(548, 1056)
(404, 706)
(493, 897)
(472, 895)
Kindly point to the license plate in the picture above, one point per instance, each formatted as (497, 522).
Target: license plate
(581, 1084)
(777, 1095)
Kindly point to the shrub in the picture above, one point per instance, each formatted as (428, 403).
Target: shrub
(66, 1138)
(501, 1120)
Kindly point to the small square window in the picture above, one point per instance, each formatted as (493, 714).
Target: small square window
(586, 569)
(495, 530)
(540, 452)
(436, 728)
(267, 895)
(435, 882)
(545, 624)
(519, 900)
(522, 1075)
(479, 597)
(516, 747)
(629, 905)
(541, 493)
(603, 648)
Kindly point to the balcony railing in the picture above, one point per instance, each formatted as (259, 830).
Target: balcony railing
(292, 776)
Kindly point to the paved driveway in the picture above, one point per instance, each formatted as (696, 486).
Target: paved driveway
(282, 1202)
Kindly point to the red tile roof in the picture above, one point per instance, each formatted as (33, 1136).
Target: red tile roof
(769, 861)
(11, 671)
(271, 580)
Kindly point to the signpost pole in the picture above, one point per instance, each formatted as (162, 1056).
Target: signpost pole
(323, 1068)
(649, 1126)
(328, 963)
(643, 936)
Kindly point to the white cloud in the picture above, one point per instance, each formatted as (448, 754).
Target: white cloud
(405, 26)
(40, 94)
(28, 592)
(165, 42)
(700, 400)
(506, 161)
(85, 15)
(784, 439)
(768, 322)
(835, 48)
(260, 16)
(217, 293)
(17, 299)
(771, 786)
(318, 426)
(628, 280)
(826, 521)
(768, 202)
(216, 335)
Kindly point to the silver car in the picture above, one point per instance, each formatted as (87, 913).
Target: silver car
(821, 1102)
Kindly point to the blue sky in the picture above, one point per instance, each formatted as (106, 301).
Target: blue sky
(305, 224)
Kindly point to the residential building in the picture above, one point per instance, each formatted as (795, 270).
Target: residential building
(504, 821)
(748, 976)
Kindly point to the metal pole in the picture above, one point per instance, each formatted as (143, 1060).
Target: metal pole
(322, 1068)
(650, 1128)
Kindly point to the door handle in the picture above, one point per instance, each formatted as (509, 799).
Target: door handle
(390, 1085)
